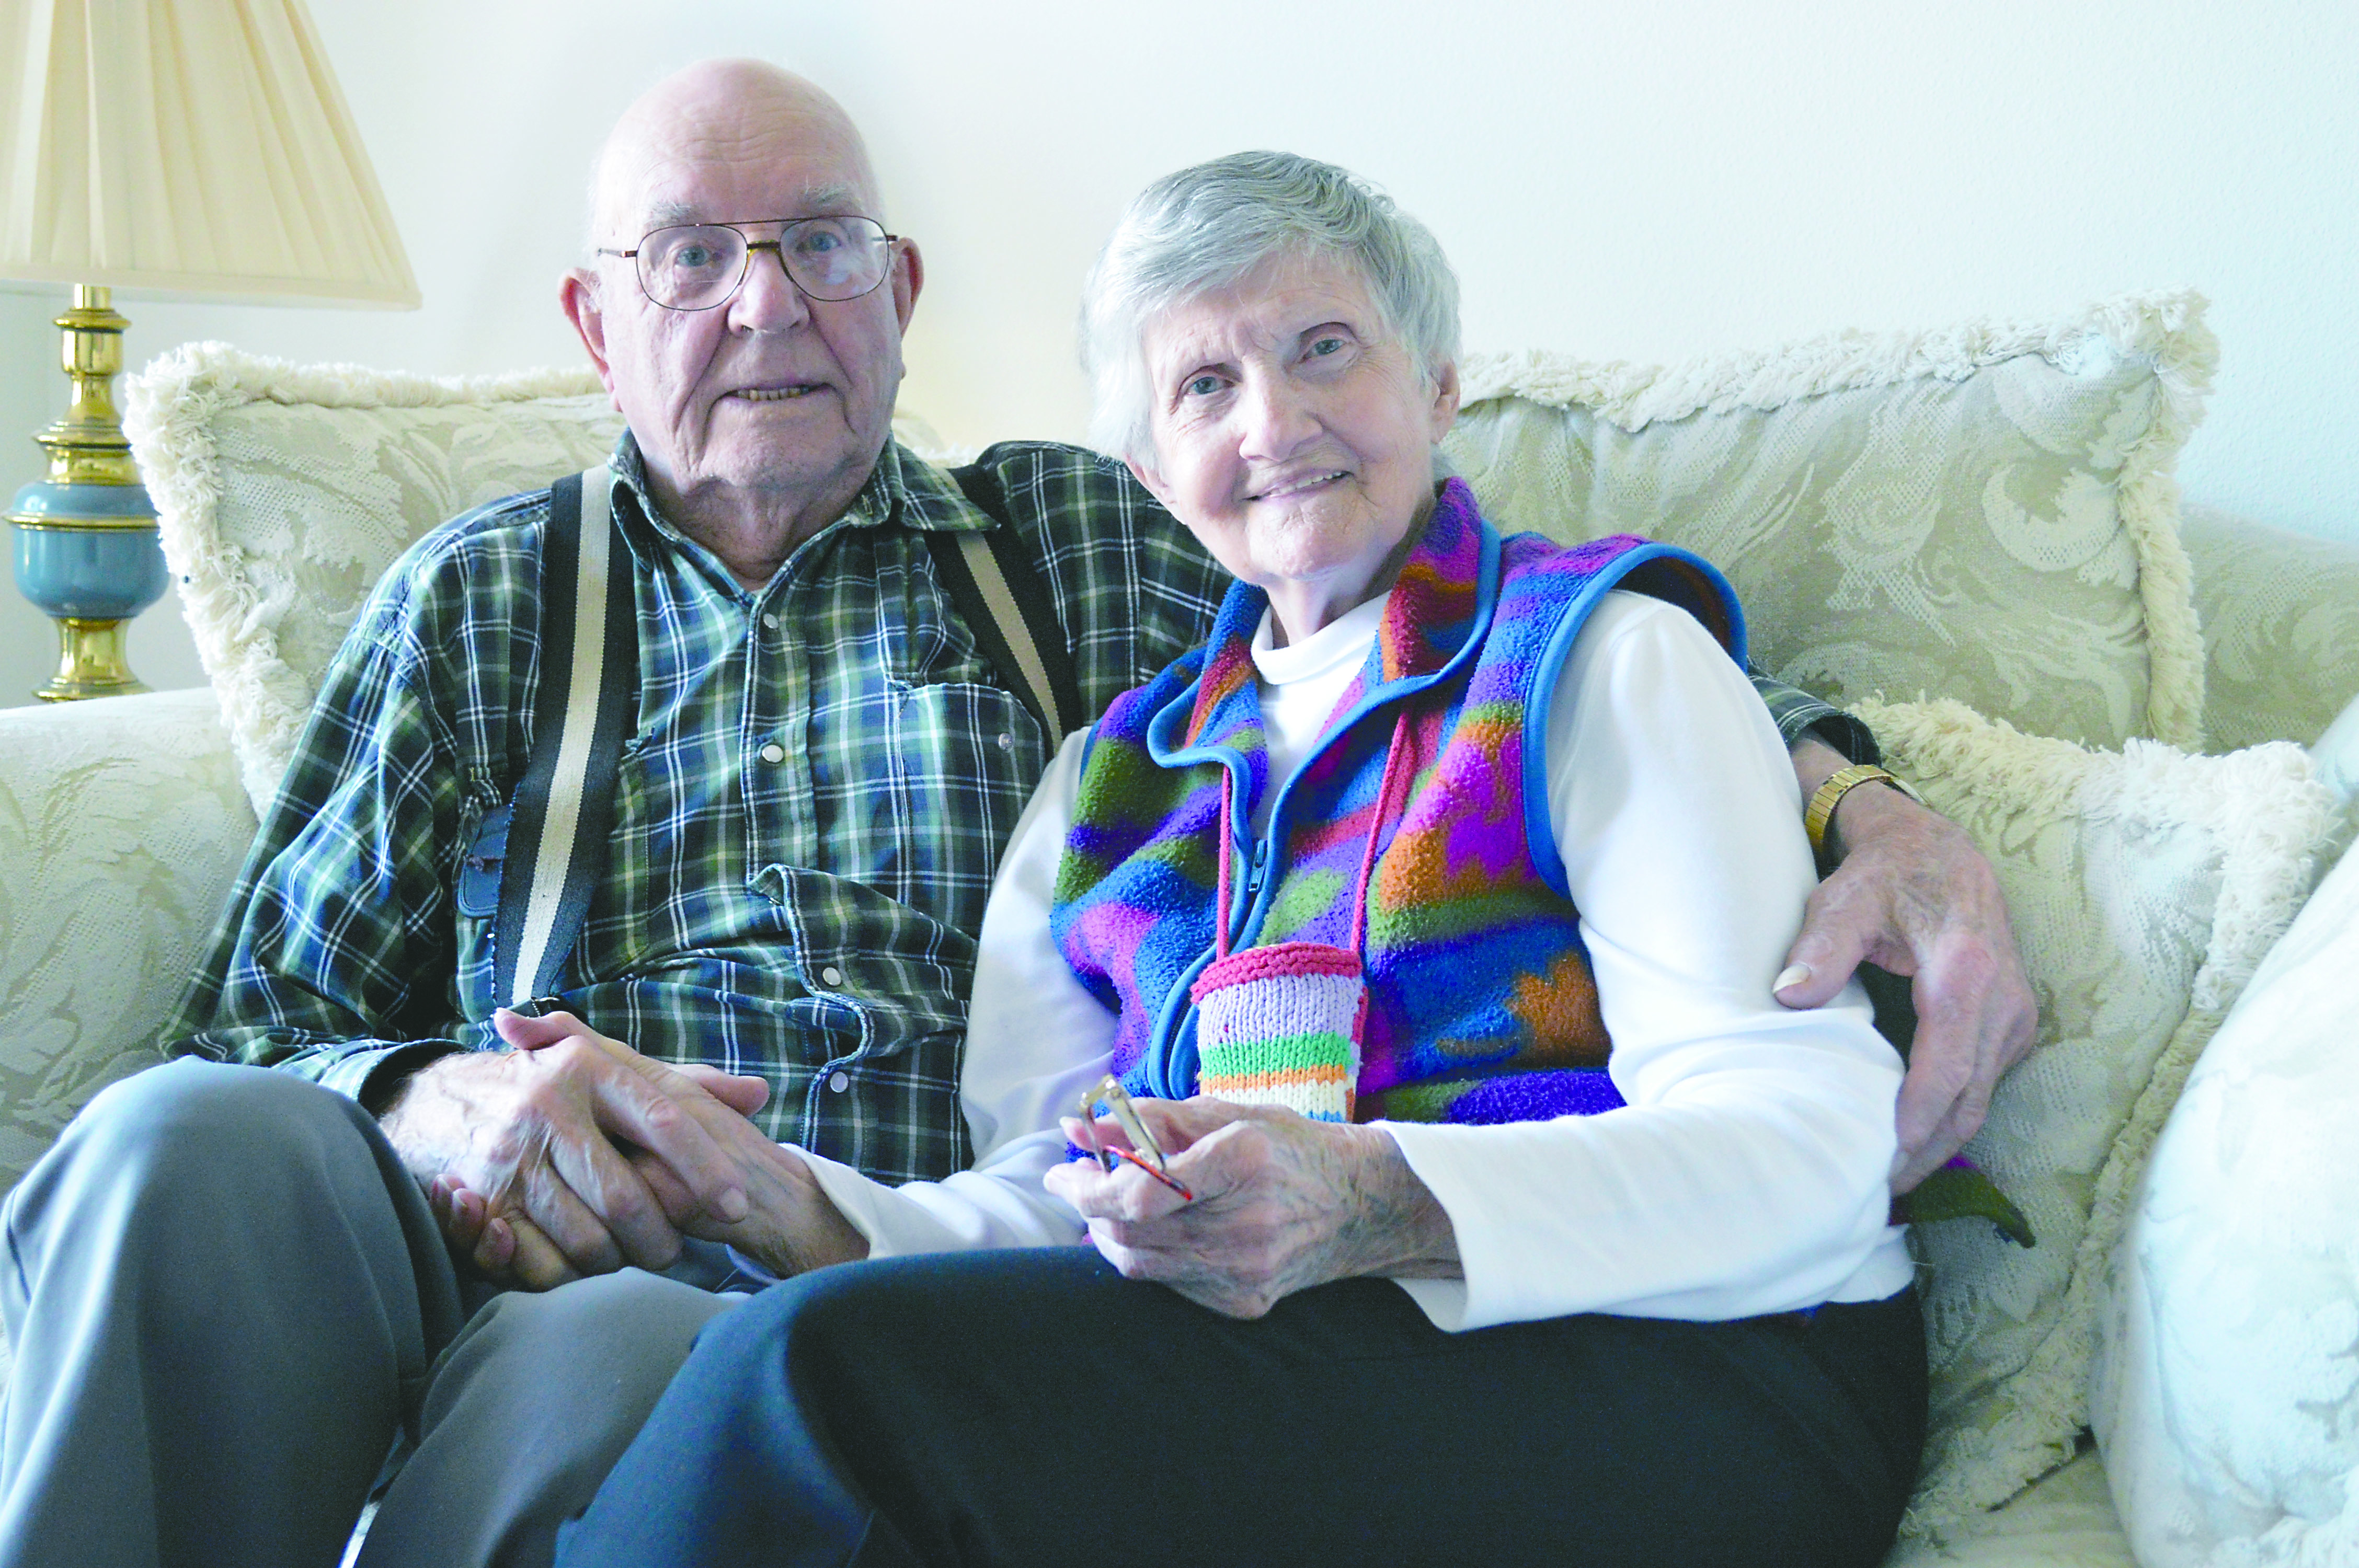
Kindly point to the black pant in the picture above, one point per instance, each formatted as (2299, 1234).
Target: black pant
(1034, 1407)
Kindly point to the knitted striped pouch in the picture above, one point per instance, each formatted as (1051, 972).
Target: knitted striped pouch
(1282, 1024)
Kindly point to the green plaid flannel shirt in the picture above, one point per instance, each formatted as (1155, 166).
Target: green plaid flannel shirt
(811, 809)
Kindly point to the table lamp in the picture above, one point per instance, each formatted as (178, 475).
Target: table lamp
(183, 148)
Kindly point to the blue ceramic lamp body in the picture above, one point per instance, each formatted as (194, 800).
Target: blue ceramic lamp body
(88, 551)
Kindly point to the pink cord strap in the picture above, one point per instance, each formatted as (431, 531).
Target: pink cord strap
(1385, 792)
(1393, 755)
(1221, 883)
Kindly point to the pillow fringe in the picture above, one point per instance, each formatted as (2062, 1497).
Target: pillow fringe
(2265, 815)
(170, 412)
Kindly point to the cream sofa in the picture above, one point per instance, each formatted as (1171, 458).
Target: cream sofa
(1946, 529)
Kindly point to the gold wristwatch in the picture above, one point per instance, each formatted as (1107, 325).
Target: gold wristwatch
(1827, 795)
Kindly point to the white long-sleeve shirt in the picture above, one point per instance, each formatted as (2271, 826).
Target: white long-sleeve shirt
(1748, 1171)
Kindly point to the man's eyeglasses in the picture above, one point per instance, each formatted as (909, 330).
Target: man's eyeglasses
(1148, 1155)
(695, 266)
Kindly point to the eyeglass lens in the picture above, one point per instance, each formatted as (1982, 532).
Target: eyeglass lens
(695, 266)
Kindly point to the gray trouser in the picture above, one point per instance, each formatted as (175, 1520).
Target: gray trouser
(226, 1298)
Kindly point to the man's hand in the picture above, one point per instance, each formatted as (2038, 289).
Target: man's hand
(531, 1136)
(787, 1222)
(1281, 1203)
(1914, 896)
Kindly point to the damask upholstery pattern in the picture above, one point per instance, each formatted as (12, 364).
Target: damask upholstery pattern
(2063, 1520)
(2144, 886)
(1987, 513)
(2227, 1402)
(2281, 616)
(121, 827)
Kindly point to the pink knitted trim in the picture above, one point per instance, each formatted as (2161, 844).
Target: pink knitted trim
(1282, 959)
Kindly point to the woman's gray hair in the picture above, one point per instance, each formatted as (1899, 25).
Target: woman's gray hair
(1207, 228)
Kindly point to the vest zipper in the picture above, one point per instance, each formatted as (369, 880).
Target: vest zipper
(1253, 880)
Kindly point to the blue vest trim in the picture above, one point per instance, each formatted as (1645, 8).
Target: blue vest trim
(1539, 834)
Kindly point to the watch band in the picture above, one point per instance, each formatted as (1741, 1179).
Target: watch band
(1839, 784)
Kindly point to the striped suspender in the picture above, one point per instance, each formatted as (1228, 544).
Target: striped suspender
(562, 816)
(999, 593)
(588, 702)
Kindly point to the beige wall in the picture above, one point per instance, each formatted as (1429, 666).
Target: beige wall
(1634, 181)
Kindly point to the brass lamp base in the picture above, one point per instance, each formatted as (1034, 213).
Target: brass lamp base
(90, 662)
(86, 544)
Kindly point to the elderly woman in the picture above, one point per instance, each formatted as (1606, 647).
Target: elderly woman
(1357, 902)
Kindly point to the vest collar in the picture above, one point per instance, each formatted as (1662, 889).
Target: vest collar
(1441, 610)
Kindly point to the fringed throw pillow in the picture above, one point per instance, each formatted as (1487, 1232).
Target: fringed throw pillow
(1986, 512)
(2145, 886)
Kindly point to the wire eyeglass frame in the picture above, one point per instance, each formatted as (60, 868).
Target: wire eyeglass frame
(866, 234)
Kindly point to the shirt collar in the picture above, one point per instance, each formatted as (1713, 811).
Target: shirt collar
(886, 494)
(903, 486)
(930, 499)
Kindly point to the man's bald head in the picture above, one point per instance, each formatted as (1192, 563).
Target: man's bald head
(759, 417)
(724, 111)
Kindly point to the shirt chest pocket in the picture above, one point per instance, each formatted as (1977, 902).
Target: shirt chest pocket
(919, 758)
(964, 759)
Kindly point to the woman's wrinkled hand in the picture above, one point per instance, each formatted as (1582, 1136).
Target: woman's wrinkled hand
(1281, 1203)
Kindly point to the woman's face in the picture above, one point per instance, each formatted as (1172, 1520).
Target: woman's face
(1294, 437)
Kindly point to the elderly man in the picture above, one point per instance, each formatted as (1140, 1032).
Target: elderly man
(232, 1283)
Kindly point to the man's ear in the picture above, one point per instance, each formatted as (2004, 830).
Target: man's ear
(1445, 399)
(909, 277)
(1151, 479)
(577, 295)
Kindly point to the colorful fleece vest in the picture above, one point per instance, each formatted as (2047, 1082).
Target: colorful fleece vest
(1481, 1007)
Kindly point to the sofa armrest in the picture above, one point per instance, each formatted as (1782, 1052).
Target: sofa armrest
(2280, 615)
(122, 827)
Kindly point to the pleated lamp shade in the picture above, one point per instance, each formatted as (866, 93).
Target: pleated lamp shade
(189, 146)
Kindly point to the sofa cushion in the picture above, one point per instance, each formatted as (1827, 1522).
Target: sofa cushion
(121, 828)
(1986, 512)
(2063, 1520)
(2227, 1398)
(2145, 885)
(2280, 613)
(283, 492)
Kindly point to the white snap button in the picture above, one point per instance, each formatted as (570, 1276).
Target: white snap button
(1006, 741)
(769, 620)
(838, 1080)
(831, 975)
(774, 752)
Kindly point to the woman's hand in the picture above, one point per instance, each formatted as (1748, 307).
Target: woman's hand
(1281, 1203)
